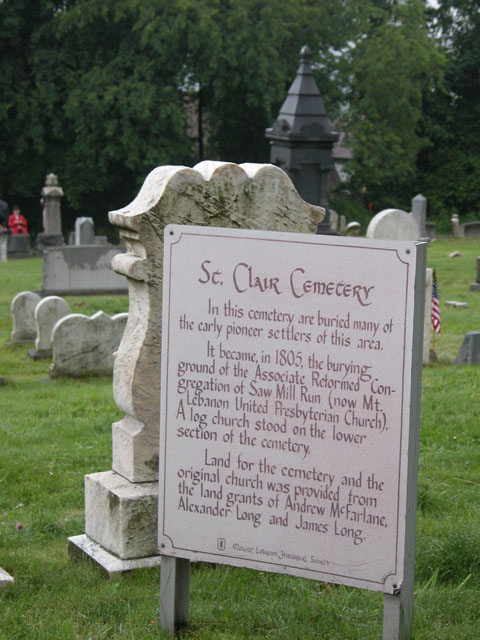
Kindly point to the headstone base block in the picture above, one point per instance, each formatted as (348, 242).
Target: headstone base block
(84, 547)
(122, 516)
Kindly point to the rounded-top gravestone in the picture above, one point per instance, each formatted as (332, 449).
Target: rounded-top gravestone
(393, 224)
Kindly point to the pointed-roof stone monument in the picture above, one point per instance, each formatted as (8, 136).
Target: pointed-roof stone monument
(302, 138)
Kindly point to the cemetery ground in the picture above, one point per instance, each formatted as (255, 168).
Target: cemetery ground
(53, 432)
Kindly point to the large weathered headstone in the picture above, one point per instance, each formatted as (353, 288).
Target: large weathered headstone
(51, 235)
(81, 270)
(86, 346)
(84, 231)
(23, 312)
(469, 352)
(47, 313)
(393, 224)
(212, 193)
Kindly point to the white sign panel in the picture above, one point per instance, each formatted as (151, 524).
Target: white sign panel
(286, 363)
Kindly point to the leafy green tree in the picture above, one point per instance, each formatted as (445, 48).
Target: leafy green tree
(392, 63)
(449, 169)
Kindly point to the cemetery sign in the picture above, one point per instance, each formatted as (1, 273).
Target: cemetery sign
(289, 402)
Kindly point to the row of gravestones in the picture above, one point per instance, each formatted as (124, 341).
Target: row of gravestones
(78, 345)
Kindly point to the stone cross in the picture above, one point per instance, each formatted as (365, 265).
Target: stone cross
(121, 505)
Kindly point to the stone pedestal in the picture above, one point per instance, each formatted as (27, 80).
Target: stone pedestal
(121, 505)
(47, 240)
(475, 286)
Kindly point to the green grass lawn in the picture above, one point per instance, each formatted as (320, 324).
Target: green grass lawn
(53, 432)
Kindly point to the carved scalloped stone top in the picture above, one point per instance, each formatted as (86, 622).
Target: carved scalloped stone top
(258, 196)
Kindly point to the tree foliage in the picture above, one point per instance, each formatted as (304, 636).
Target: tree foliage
(393, 63)
(449, 168)
(102, 92)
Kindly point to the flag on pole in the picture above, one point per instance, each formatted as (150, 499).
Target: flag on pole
(435, 306)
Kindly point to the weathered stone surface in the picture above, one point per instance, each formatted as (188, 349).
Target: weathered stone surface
(393, 224)
(5, 578)
(212, 193)
(84, 231)
(47, 313)
(80, 270)
(455, 226)
(86, 346)
(353, 229)
(82, 546)
(470, 350)
(470, 230)
(124, 514)
(23, 314)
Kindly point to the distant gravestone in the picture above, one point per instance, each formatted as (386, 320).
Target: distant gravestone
(81, 270)
(393, 224)
(476, 285)
(334, 220)
(470, 350)
(419, 213)
(84, 231)
(23, 312)
(47, 313)
(455, 225)
(353, 229)
(86, 346)
(51, 235)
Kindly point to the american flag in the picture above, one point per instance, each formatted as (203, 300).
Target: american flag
(435, 306)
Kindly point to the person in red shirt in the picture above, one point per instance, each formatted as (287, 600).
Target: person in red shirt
(17, 222)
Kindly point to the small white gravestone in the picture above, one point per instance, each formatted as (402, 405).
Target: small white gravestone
(47, 313)
(5, 578)
(290, 407)
(86, 346)
(84, 231)
(23, 312)
(393, 224)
